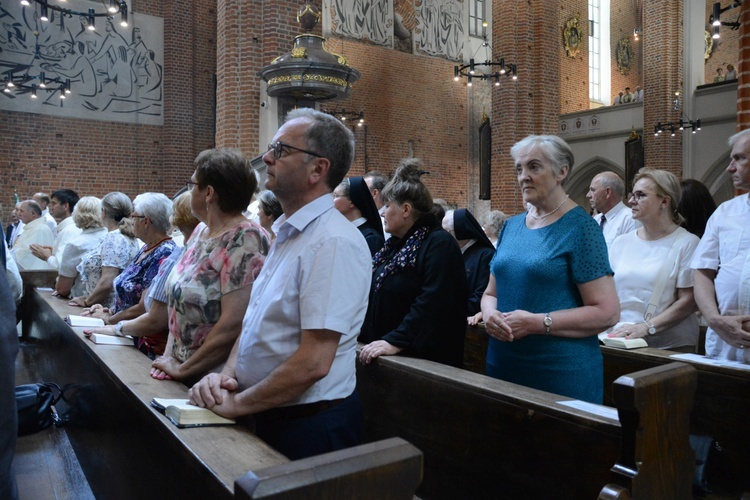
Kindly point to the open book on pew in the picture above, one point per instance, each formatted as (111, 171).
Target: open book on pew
(623, 343)
(85, 321)
(182, 414)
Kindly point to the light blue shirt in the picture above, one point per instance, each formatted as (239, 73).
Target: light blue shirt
(316, 276)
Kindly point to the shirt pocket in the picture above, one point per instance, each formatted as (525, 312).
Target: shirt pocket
(729, 245)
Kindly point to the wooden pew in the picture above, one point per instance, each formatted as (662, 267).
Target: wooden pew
(721, 410)
(485, 438)
(129, 450)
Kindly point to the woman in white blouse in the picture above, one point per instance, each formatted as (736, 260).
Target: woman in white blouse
(87, 217)
(655, 259)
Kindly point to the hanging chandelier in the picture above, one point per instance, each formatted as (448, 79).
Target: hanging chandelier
(59, 10)
(684, 123)
(489, 69)
(33, 84)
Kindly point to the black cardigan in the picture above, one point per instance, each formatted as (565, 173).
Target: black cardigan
(423, 310)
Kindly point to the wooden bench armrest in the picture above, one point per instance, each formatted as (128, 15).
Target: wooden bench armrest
(391, 468)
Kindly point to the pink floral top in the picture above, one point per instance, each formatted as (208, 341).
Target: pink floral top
(209, 269)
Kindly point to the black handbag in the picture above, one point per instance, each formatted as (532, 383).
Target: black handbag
(702, 445)
(36, 406)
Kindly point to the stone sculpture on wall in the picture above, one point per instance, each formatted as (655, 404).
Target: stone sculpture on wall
(431, 27)
(115, 72)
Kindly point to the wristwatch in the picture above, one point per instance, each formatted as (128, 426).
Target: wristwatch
(547, 323)
(651, 328)
(118, 328)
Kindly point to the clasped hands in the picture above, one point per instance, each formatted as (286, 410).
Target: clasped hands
(734, 330)
(511, 326)
(218, 393)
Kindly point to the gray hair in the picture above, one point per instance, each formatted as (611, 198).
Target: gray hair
(612, 181)
(554, 149)
(329, 138)
(739, 135)
(494, 222)
(448, 224)
(87, 213)
(270, 204)
(157, 207)
(33, 206)
(378, 180)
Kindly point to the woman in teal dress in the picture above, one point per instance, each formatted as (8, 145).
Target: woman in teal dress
(551, 289)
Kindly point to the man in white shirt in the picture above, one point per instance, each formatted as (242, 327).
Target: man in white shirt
(722, 265)
(35, 231)
(605, 195)
(293, 366)
(61, 206)
(638, 96)
(43, 201)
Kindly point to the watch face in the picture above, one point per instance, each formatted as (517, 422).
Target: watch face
(651, 330)
(547, 321)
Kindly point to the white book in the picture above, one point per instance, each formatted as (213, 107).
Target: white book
(623, 343)
(104, 339)
(90, 321)
(183, 414)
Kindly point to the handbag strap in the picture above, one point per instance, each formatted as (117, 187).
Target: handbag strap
(661, 279)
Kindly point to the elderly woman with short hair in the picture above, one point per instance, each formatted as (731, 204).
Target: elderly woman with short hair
(209, 288)
(87, 217)
(151, 212)
(151, 329)
(99, 267)
(551, 290)
(270, 211)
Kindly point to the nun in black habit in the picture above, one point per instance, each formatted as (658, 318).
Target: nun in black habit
(477, 251)
(353, 199)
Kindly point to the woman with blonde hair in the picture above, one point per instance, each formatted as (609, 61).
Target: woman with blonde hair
(652, 267)
(87, 217)
(99, 267)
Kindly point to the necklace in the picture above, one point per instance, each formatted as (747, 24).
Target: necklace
(148, 249)
(535, 217)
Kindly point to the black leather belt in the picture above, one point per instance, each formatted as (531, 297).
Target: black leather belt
(298, 411)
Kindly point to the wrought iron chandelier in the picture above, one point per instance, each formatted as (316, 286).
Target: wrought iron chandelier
(32, 84)
(61, 11)
(489, 69)
(684, 123)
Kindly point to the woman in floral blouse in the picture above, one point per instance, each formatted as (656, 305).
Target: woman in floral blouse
(209, 288)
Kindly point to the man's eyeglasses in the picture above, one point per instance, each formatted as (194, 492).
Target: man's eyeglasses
(138, 216)
(278, 150)
(190, 184)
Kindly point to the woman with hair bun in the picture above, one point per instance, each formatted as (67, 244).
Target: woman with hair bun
(99, 268)
(655, 259)
(418, 294)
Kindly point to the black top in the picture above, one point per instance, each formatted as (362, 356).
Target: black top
(422, 309)
(476, 258)
(362, 199)
(373, 237)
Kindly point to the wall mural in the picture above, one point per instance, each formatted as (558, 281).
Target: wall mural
(115, 72)
(432, 27)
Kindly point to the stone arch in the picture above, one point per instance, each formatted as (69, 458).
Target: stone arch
(578, 183)
(718, 182)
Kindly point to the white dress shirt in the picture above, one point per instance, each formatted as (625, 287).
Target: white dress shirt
(725, 247)
(619, 221)
(67, 231)
(316, 276)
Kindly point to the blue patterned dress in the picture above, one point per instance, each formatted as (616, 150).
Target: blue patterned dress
(538, 270)
(135, 278)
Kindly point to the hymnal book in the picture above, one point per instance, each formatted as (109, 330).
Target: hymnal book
(89, 321)
(183, 414)
(623, 343)
(102, 338)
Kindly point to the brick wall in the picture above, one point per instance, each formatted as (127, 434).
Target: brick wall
(622, 22)
(574, 72)
(44, 153)
(743, 91)
(662, 70)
